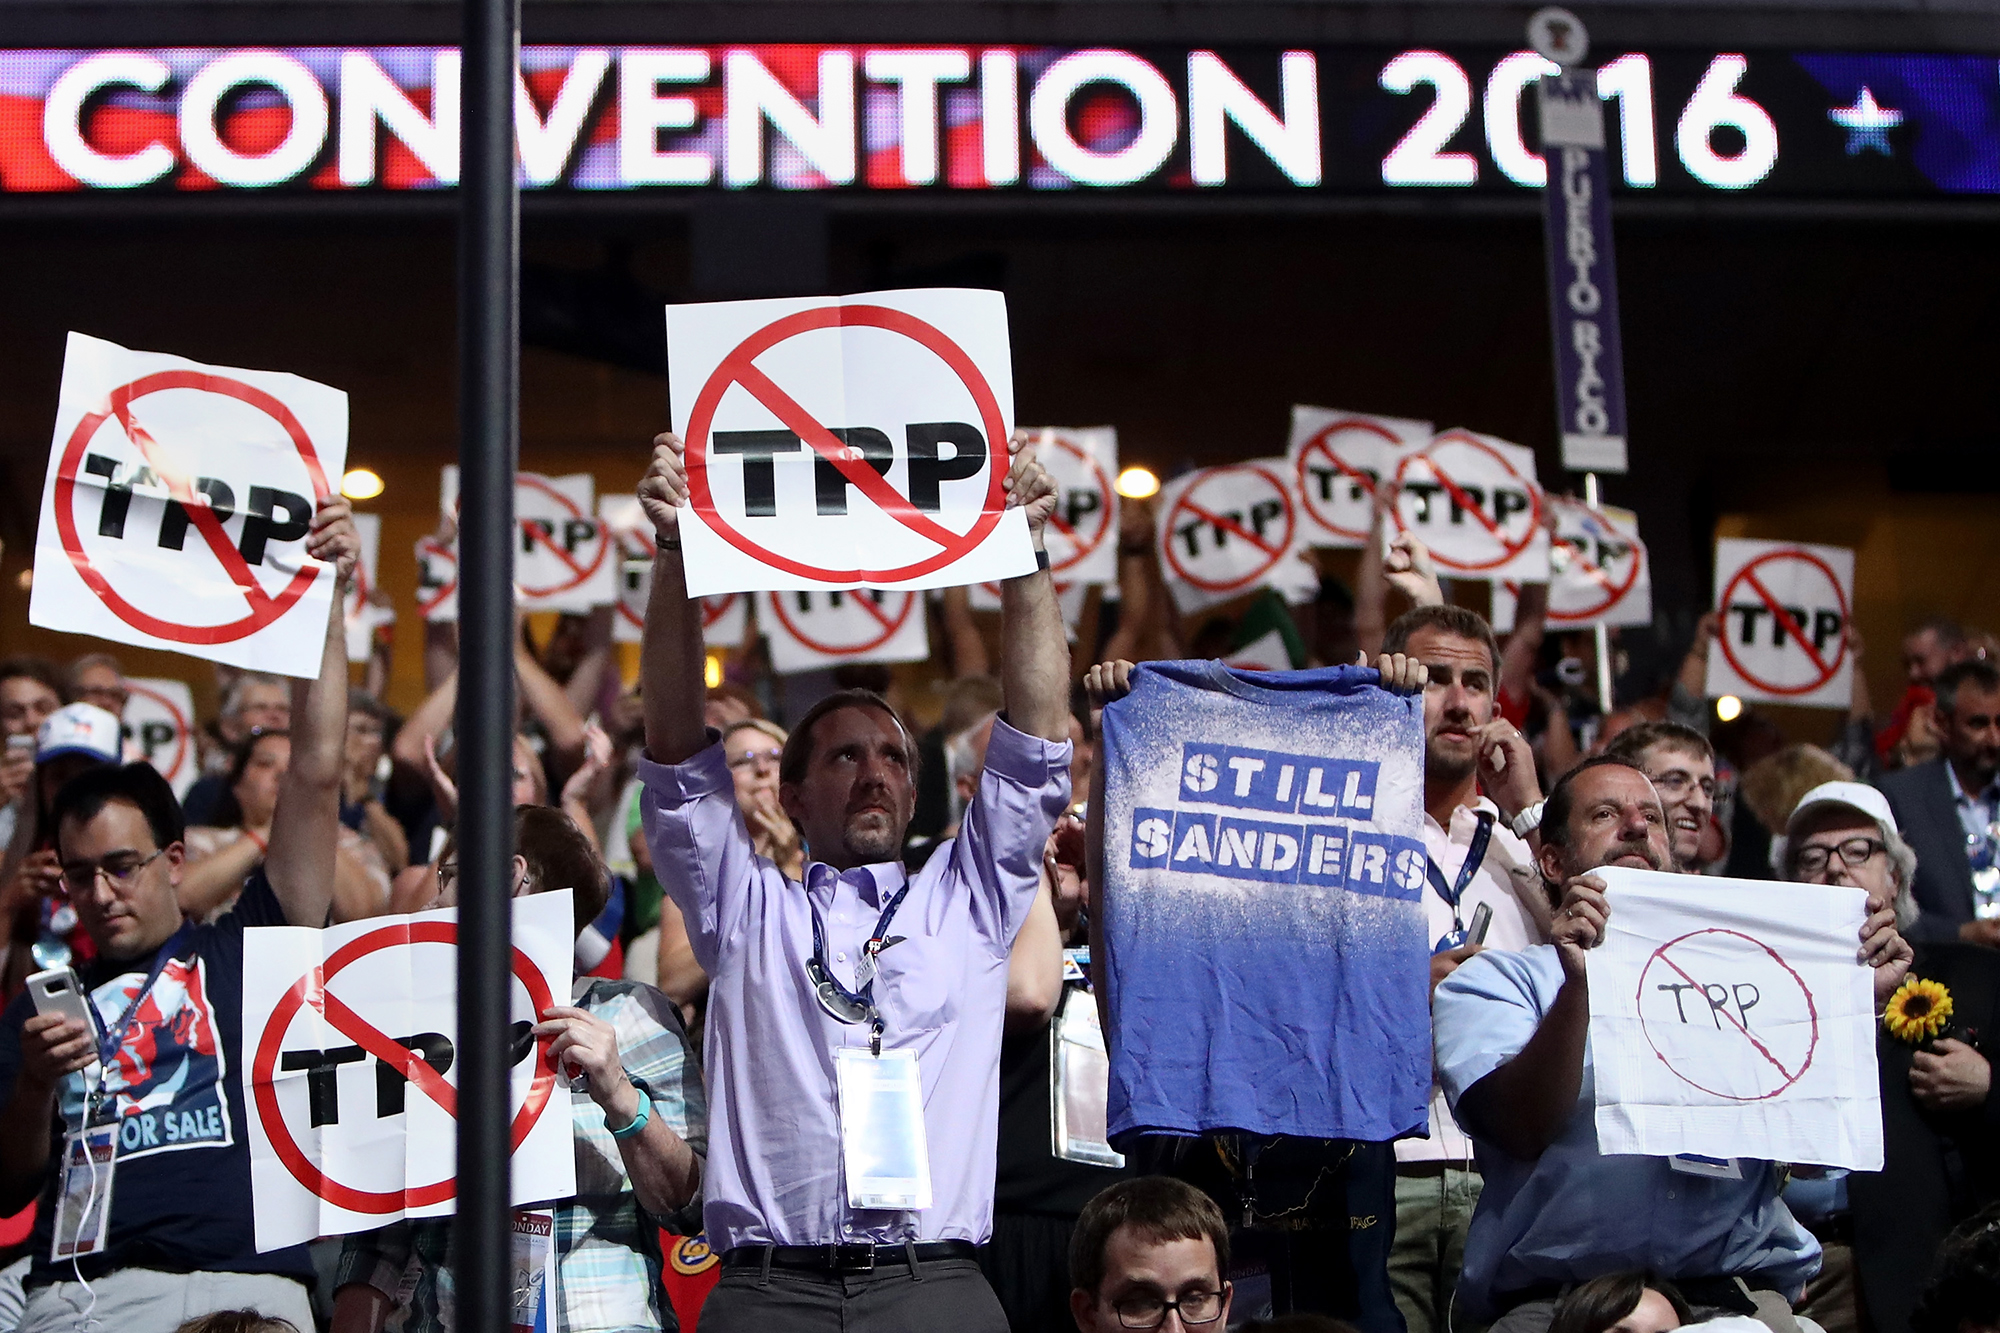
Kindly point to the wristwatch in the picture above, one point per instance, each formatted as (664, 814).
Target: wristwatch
(1528, 820)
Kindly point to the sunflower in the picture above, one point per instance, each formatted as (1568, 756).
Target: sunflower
(1919, 1011)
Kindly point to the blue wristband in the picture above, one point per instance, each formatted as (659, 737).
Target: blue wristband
(645, 1113)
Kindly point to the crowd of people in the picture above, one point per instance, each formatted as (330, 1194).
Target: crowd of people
(824, 971)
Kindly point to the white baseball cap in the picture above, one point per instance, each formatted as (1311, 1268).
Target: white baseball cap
(80, 729)
(1856, 796)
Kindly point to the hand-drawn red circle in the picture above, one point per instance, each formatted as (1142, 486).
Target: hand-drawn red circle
(826, 317)
(1186, 500)
(1832, 668)
(1508, 549)
(65, 505)
(1812, 1013)
(270, 1043)
(846, 650)
(1319, 442)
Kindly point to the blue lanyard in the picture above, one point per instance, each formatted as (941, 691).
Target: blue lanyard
(108, 1045)
(1475, 856)
(864, 998)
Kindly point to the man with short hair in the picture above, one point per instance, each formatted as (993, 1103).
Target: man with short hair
(1512, 1040)
(156, 1076)
(1149, 1253)
(1931, 647)
(1949, 809)
(1680, 763)
(97, 678)
(1476, 860)
(862, 977)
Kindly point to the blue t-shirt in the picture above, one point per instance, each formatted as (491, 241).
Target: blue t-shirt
(1263, 917)
(180, 1198)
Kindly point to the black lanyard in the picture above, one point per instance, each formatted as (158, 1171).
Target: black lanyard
(1475, 855)
(852, 1006)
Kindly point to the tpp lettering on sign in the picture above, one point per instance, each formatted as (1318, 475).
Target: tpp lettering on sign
(1329, 856)
(938, 452)
(1464, 500)
(1278, 783)
(1361, 481)
(1261, 515)
(1786, 621)
(1717, 998)
(392, 1080)
(261, 522)
(576, 533)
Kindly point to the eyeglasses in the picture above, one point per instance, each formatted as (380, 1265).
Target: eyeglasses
(1678, 783)
(447, 873)
(755, 757)
(121, 868)
(1854, 853)
(1149, 1311)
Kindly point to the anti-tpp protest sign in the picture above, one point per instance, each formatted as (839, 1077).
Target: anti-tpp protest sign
(809, 630)
(1598, 571)
(437, 579)
(1225, 531)
(1338, 459)
(1730, 1019)
(1583, 275)
(1082, 535)
(564, 560)
(363, 616)
(1474, 501)
(177, 505)
(159, 724)
(1784, 609)
(723, 619)
(351, 1072)
(839, 443)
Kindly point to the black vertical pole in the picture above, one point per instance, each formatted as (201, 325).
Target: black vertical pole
(488, 449)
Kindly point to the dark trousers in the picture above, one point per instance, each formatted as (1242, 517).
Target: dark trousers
(943, 1294)
(1027, 1261)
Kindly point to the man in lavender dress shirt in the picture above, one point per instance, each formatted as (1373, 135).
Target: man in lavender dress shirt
(795, 1253)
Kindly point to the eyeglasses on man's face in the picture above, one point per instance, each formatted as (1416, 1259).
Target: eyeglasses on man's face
(1853, 852)
(1145, 1309)
(1676, 783)
(121, 868)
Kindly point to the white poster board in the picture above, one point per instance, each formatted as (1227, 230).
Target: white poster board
(1784, 609)
(336, 1144)
(808, 630)
(1338, 459)
(724, 618)
(159, 726)
(1599, 573)
(363, 617)
(1082, 535)
(1474, 501)
(839, 442)
(1225, 531)
(177, 504)
(1730, 1018)
(564, 559)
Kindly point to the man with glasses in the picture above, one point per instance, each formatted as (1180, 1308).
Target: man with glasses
(144, 1106)
(1149, 1253)
(854, 1020)
(1681, 764)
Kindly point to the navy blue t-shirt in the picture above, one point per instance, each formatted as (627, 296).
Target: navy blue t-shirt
(180, 1199)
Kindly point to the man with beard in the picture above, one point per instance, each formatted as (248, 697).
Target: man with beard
(853, 1042)
(1477, 861)
(1681, 765)
(1512, 1038)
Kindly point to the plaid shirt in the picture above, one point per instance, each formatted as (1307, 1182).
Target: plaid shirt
(607, 1246)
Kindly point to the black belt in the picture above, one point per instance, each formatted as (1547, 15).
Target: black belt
(1725, 1293)
(846, 1258)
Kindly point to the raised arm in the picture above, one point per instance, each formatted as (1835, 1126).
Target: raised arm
(1034, 648)
(672, 662)
(305, 831)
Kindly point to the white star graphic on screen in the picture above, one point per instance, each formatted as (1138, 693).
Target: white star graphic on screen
(1867, 123)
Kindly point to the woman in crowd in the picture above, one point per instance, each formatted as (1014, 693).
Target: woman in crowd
(220, 856)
